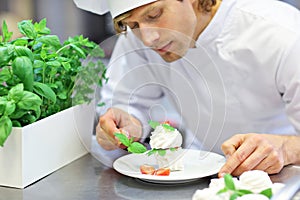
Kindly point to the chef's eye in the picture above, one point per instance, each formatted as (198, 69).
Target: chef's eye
(133, 25)
(154, 14)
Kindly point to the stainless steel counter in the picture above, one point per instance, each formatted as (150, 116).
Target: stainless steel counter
(87, 179)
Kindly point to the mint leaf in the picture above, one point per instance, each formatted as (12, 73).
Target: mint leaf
(268, 193)
(151, 152)
(229, 182)
(136, 147)
(161, 152)
(222, 191)
(234, 196)
(123, 139)
(243, 192)
(168, 127)
(153, 124)
(173, 149)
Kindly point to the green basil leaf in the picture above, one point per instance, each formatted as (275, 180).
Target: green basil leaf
(123, 139)
(29, 119)
(153, 124)
(10, 108)
(29, 101)
(41, 27)
(20, 41)
(3, 102)
(79, 50)
(26, 28)
(24, 51)
(39, 64)
(50, 40)
(44, 91)
(137, 147)
(268, 192)
(19, 113)
(6, 34)
(54, 63)
(16, 93)
(16, 123)
(5, 129)
(5, 74)
(5, 55)
(229, 182)
(23, 69)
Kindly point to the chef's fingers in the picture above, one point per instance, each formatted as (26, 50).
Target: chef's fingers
(256, 160)
(272, 164)
(244, 150)
(231, 145)
(108, 123)
(105, 140)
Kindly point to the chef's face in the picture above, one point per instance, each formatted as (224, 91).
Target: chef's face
(166, 26)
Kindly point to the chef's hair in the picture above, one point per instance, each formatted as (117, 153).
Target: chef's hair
(204, 6)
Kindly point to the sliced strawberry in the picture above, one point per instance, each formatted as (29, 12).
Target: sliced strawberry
(166, 122)
(162, 172)
(147, 169)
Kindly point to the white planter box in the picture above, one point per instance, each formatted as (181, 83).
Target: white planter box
(36, 150)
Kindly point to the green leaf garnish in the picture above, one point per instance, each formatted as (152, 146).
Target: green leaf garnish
(151, 152)
(267, 192)
(229, 182)
(173, 149)
(123, 139)
(137, 147)
(243, 192)
(132, 147)
(153, 124)
(229, 186)
(168, 127)
(161, 152)
(234, 196)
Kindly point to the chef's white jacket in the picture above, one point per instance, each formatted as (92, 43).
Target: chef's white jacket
(243, 76)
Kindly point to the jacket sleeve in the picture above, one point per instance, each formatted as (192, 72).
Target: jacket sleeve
(288, 82)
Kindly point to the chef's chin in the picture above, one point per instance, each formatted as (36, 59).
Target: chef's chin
(170, 56)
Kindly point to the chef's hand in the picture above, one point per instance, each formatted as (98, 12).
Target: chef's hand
(116, 120)
(266, 152)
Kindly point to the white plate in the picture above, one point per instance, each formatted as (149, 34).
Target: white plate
(197, 164)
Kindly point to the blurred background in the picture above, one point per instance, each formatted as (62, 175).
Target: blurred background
(64, 19)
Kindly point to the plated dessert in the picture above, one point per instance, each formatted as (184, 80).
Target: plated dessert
(251, 185)
(165, 142)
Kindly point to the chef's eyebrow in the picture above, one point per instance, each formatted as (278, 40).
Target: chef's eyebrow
(151, 7)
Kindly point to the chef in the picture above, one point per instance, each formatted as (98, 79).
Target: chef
(229, 68)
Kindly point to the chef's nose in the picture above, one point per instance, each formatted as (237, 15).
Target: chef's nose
(149, 36)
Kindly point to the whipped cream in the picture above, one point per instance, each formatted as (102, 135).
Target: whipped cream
(162, 138)
(255, 181)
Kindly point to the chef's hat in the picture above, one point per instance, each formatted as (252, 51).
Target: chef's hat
(115, 7)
